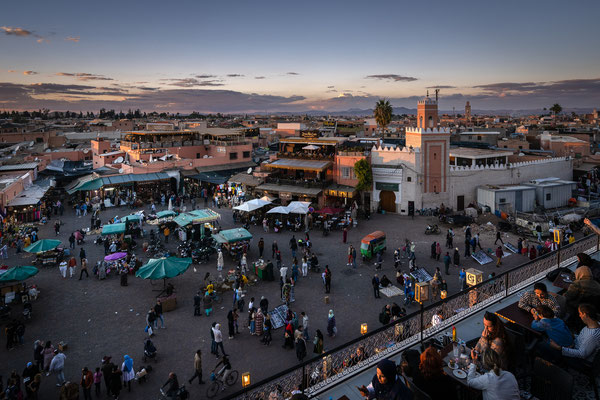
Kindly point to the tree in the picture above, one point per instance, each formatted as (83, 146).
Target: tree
(362, 170)
(556, 109)
(383, 113)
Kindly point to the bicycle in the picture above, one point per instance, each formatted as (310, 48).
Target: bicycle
(218, 385)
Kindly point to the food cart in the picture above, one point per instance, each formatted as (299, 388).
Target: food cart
(233, 241)
(197, 222)
(372, 244)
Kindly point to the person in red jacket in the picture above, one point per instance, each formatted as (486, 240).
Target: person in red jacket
(499, 254)
(87, 381)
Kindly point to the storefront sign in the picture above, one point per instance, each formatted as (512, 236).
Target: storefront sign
(221, 150)
(394, 187)
(309, 134)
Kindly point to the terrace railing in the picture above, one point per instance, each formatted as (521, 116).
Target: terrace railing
(334, 366)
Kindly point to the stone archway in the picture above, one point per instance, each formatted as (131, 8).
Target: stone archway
(387, 200)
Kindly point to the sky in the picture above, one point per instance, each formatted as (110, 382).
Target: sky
(271, 56)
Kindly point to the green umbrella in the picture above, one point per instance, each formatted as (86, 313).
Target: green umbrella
(166, 213)
(163, 268)
(16, 274)
(42, 245)
(132, 217)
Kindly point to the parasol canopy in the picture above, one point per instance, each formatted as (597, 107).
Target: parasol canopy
(42, 245)
(165, 213)
(115, 256)
(16, 274)
(113, 229)
(252, 205)
(279, 210)
(162, 268)
(232, 235)
(132, 217)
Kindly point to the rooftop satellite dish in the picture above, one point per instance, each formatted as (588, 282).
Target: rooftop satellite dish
(85, 151)
(48, 151)
(120, 170)
(31, 143)
(118, 160)
(249, 170)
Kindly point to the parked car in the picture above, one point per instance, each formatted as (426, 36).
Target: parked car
(459, 220)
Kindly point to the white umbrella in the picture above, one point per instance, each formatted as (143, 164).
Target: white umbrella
(311, 147)
(279, 210)
(294, 204)
(298, 209)
(259, 202)
(267, 198)
(246, 207)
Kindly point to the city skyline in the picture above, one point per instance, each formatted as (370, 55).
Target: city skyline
(275, 57)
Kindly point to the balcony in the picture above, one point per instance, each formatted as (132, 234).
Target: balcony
(307, 183)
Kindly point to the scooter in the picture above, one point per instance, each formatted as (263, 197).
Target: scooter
(432, 230)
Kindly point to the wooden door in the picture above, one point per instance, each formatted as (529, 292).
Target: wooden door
(387, 200)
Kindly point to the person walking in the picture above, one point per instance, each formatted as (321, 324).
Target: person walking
(345, 235)
(98, 381)
(462, 276)
(84, 269)
(218, 340)
(304, 325)
(166, 232)
(220, 261)
(304, 266)
(81, 254)
(331, 327)
(57, 228)
(353, 257)
(72, 265)
(456, 257)
(433, 248)
(150, 322)
(293, 245)
(438, 251)
(449, 238)
(87, 381)
(447, 261)
(72, 241)
(498, 237)
(197, 304)
(128, 372)
(327, 279)
(158, 310)
(499, 255)
(116, 382)
(261, 247)
(274, 248)
(207, 302)
(477, 241)
(197, 368)
(467, 247)
(375, 283)
(57, 366)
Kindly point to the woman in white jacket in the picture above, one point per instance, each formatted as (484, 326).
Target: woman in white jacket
(495, 384)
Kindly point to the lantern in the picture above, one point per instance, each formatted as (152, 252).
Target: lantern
(363, 328)
(443, 294)
(422, 292)
(474, 276)
(246, 379)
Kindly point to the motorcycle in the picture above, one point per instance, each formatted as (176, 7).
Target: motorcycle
(432, 230)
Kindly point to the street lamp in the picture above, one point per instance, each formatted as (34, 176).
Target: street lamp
(246, 379)
(363, 328)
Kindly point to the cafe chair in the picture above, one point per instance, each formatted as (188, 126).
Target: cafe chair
(549, 382)
(418, 393)
(562, 303)
(517, 345)
(589, 369)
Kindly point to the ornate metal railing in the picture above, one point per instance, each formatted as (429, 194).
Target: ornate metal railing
(334, 366)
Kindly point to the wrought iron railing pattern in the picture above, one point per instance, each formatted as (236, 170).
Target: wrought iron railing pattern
(318, 374)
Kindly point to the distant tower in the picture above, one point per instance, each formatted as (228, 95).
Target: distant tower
(434, 143)
(468, 111)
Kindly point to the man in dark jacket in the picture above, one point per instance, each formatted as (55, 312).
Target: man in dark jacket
(375, 283)
(107, 369)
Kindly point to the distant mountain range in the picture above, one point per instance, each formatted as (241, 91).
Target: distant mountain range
(355, 112)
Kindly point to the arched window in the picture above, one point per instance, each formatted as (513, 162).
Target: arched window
(421, 121)
(430, 121)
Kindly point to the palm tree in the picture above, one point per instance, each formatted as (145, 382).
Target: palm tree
(383, 113)
(556, 109)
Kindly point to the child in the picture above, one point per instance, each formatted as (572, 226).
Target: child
(97, 380)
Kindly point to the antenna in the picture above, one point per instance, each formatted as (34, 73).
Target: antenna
(427, 92)
(437, 91)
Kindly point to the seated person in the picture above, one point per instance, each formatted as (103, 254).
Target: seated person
(386, 384)
(493, 337)
(397, 311)
(531, 300)
(359, 356)
(385, 282)
(555, 328)
(437, 318)
(587, 342)
(495, 384)
(149, 347)
(432, 379)
(583, 290)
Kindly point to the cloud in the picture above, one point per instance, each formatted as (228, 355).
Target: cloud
(8, 30)
(547, 90)
(234, 75)
(392, 77)
(292, 73)
(42, 40)
(441, 87)
(29, 73)
(205, 76)
(330, 87)
(259, 77)
(12, 70)
(72, 39)
(192, 82)
(84, 76)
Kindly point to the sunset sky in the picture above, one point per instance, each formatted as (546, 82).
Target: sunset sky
(267, 56)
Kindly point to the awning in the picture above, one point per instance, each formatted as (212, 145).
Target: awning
(227, 167)
(232, 235)
(245, 179)
(210, 177)
(113, 229)
(30, 196)
(196, 217)
(270, 187)
(340, 191)
(95, 184)
(305, 165)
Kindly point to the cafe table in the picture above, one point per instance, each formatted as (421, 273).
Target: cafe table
(465, 392)
(563, 281)
(512, 313)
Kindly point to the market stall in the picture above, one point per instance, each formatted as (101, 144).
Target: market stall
(47, 252)
(196, 224)
(234, 241)
(113, 229)
(12, 287)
